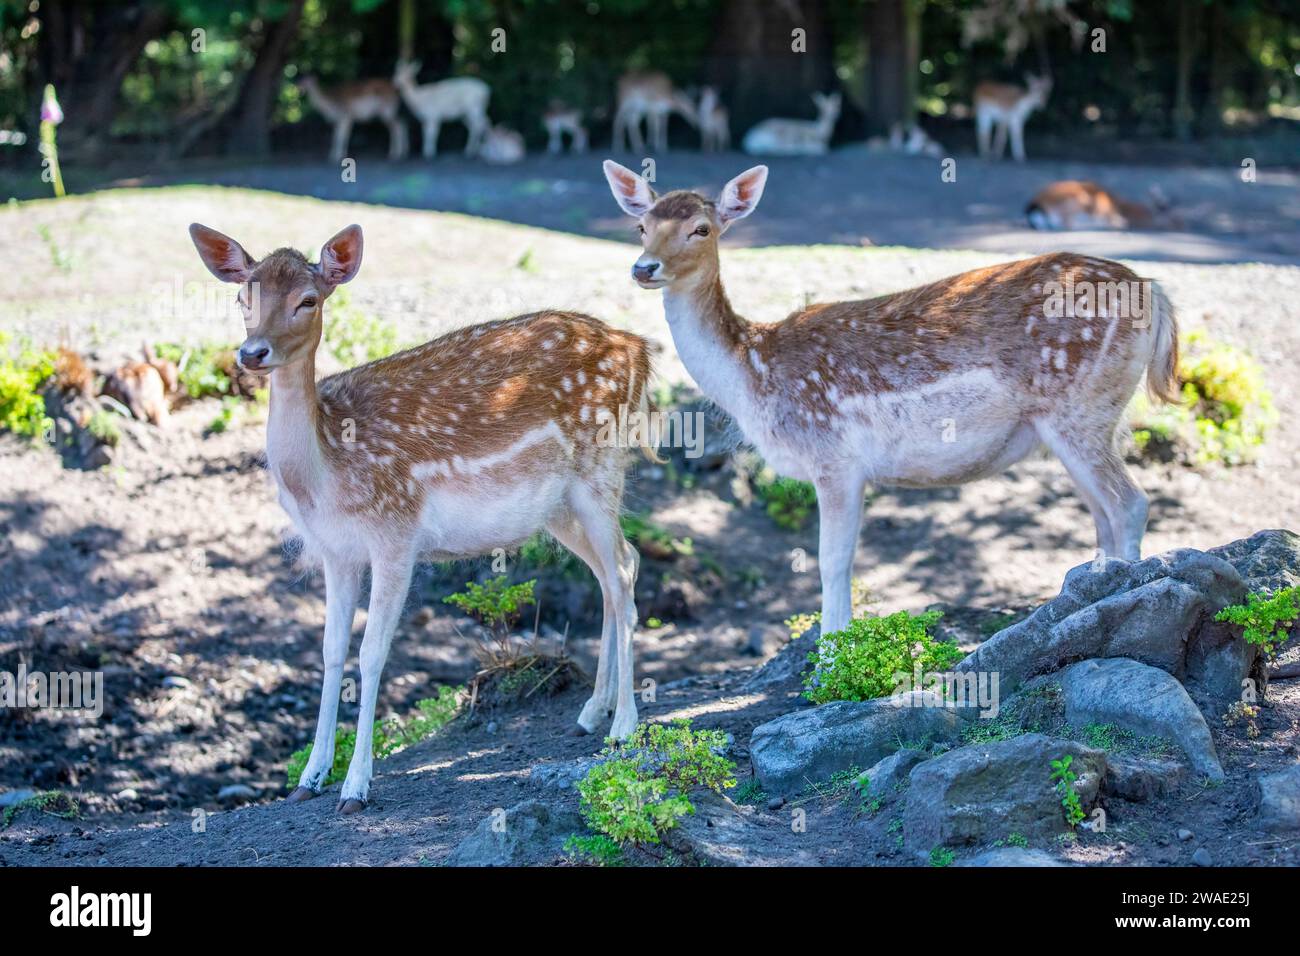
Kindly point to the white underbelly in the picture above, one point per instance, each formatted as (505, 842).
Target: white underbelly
(455, 523)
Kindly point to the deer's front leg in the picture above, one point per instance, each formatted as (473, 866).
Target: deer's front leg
(389, 581)
(342, 587)
(839, 506)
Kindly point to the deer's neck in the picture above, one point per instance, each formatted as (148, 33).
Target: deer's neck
(293, 450)
(326, 106)
(713, 342)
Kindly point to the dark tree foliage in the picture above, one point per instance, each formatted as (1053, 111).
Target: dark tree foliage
(214, 76)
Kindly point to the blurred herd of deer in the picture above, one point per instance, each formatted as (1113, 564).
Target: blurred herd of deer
(171, 79)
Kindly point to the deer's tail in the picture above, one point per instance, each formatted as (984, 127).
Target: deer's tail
(1162, 370)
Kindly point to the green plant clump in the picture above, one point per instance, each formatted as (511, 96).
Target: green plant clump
(596, 849)
(862, 661)
(496, 604)
(390, 736)
(788, 501)
(203, 369)
(352, 336)
(1225, 413)
(1065, 779)
(639, 790)
(22, 374)
(53, 802)
(1264, 620)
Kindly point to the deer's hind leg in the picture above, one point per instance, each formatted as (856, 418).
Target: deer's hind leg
(595, 506)
(1118, 506)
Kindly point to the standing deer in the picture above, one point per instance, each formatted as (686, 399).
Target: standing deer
(559, 119)
(795, 137)
(938, 385)
(652, 97)
(358, 102)
(715, 122)
(1007, 106)
(1073, 204)
(460, 98)
(473, 441)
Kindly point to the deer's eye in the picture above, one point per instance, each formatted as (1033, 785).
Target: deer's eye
(308, 303)
(640, 229)
(701, 231)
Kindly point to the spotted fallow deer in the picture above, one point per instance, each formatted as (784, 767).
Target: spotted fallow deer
(1006, 107)
(358, 102)
(796, 137)
(650, 96)
(470, 442)
(939, 385)
(1075, 204)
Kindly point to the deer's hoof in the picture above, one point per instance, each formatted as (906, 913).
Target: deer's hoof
(577, 730)
(349, 807)
(300, 794)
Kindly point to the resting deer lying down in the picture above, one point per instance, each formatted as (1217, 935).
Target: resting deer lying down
(1072, 204)
(473, 441)
(796, 137)
(938, 385)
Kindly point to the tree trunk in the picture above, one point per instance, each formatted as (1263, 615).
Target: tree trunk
(893, 38)
(1184, 113)
(250, 123)
(762, 68)
(88, 51)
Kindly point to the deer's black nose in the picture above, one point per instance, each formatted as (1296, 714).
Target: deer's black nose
(253, 357)
(644, 272)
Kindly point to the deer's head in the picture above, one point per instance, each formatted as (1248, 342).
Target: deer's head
(1039, 87)
(405, 72)
(679, 231)
(281, 296)
(828, 107)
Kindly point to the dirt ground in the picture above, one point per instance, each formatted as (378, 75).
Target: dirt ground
(168, 570)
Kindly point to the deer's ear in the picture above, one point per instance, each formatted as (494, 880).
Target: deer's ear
(225, 258)
(740, 196)
(340, 258)
(633, 194)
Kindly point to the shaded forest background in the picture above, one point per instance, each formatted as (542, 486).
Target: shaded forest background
(180, 78)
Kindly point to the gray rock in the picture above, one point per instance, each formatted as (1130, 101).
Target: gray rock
(1185, 834)
(561, 775)
(1267, 560)
(1012, 856)
(531, 832)
(236, 791)
(720, 833)
(11, 798)
(1158, 611)
(882, 780)
(984, 792)
(1141, 777)
(1143, 700)
(785, 669)
(1279, 800)
(1202, 857)
(797, 750)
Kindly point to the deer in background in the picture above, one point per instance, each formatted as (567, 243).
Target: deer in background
(473, 441)
(1073, 204)
(715, 122)
(462, 98)
(358, 102)
(1006, 107)
(652, 97)
(502, 146)
(795, 137)
(559, 119)
(939, 385)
